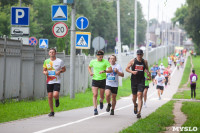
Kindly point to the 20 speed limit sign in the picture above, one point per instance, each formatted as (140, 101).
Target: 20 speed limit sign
(60, 29)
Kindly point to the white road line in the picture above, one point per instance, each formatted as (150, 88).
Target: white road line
(91, 117)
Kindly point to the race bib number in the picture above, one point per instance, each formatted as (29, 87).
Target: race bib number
(159, 81)
(111, 78)
(51, 73)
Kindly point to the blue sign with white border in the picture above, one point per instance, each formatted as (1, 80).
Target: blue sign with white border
(20, 16)
(59, 12)
(82, 23)
(43, 43)
(83, 40)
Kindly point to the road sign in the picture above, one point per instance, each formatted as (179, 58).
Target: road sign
(82, 23)
(25, 40)
(20, 16)
(83, 40)
(19, 31)
(98, 43)
(60, 29)
(43, 43)
(33, 41)
(59, 12)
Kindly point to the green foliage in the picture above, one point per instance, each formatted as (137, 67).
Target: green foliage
(155, 122)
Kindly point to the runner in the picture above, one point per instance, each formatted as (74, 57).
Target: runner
(182, 61)
(178, 62)
(160, 81)
(161, 68)
(169, 71)
(166, 74)
(138, 66)
(153, 73)
(157, 68)
(169, 61)
(52, 68)
(175, 60)
(99, 78)
(193, 81)
(112, 83)
(146, 88)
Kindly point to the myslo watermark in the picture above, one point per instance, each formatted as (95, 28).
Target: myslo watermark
(190, 129)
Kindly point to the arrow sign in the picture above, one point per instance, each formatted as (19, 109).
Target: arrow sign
(82, 23)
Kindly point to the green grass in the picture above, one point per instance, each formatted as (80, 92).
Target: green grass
(192, 110)
(186, 73)
(155, 122)
(14, 110)
(187, 93)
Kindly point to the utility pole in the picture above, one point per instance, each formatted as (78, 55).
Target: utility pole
(20, 3)
(72, 53)
(135, 34)
(119, 37)
(148, 35)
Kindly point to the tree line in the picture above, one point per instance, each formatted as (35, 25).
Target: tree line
(102, 16)
(188, 16)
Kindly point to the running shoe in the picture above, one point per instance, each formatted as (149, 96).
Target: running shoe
(51, 114)
(135, 109)
(108, 107)
(145, 105)
(159, 98)
(138, 115)
(57, 103)
(101, 105)
(95, 112)
(112, 112)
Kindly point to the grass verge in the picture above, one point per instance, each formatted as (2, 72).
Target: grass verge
(155, 122)
(187, 93)
(15, 110)
(192, 110)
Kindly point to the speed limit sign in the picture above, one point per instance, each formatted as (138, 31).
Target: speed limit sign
(60, 29)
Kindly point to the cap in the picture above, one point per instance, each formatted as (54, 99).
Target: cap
(161, 63)
(139, 51)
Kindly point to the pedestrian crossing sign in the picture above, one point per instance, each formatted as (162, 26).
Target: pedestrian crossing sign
(83, 40)
(43, 43)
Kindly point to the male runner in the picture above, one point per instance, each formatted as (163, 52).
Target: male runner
(52, 68)
(153, 73)
(99, 77)
(112, 83)
(160, 81)
(138, 65)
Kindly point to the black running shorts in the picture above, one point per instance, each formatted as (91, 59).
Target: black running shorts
(53, 87)
(137, 88)
(160, 87)
(112, 89)
(99, 83)
(153, 77)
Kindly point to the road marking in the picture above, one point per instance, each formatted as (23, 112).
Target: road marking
(90, 117)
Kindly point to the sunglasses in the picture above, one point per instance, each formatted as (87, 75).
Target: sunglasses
(139, 54)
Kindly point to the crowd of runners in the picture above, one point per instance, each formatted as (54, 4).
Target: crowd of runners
(105, 76)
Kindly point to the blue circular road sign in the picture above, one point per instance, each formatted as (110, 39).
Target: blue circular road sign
(82, 23)
(33, 41)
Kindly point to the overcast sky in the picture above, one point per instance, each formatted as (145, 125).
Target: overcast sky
(168, 9)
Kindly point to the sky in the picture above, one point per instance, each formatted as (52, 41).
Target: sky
(167, 8)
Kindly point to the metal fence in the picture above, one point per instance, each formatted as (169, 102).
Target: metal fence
(21, 70)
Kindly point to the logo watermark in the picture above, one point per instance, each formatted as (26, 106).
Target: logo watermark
(190, 129)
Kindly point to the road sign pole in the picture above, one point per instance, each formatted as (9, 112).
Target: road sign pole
(135, 34)
(72, 53)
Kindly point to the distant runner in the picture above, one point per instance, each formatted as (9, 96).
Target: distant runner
(138, 65)
(166, 74)
(99, 78)
(153, 73)
(52, 68)
(112, 83)
(161, 68)
(160, 81)
(193, 81)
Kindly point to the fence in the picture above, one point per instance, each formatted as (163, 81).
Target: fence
(21, 68)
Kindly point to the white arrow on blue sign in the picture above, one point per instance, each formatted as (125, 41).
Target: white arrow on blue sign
(59, 12)
(43, 43)
(83, 40)
(82, 23)
(20, 16)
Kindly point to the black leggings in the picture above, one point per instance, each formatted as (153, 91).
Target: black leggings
(193, 89)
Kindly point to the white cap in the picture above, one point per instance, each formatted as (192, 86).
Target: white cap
(161, 63)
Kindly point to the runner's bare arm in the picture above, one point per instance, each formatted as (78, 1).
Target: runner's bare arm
(45, 72)
(90, 71)
(106, 71)
(129, 66)
(63, 69)
(147, 68)
(119, 73)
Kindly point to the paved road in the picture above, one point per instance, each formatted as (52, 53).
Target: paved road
(83, 121)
